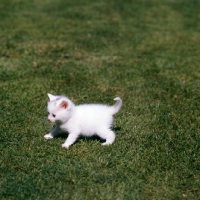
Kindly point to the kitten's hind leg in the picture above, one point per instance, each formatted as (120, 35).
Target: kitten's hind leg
(56, 131)
(108, 135)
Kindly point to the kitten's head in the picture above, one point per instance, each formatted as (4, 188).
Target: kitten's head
(59, 109)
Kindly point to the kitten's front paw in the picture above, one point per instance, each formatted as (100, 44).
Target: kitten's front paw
(65, 146)
(48, 136)
(105, 144)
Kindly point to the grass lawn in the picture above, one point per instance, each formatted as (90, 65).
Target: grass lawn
(146, 52)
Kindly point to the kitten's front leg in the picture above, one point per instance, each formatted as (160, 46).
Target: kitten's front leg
(53, 133)
(72, 137)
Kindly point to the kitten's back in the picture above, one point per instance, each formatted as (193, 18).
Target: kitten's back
(93, 114)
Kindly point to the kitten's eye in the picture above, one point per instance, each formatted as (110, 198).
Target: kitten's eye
(53, 115)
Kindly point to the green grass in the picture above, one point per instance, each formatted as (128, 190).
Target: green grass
(146, 52)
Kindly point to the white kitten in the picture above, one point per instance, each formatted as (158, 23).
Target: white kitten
(86, 120)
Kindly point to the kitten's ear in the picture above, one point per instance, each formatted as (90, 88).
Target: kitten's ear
(51, 97)
(64, 104)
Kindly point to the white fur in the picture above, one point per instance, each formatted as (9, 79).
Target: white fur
(86, 120)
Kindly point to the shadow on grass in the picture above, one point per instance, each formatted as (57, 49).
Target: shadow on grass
(64, 135)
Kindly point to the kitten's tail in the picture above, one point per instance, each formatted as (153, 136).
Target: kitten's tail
(117, 106)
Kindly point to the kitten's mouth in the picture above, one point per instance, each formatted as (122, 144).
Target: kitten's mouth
(52, 121)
